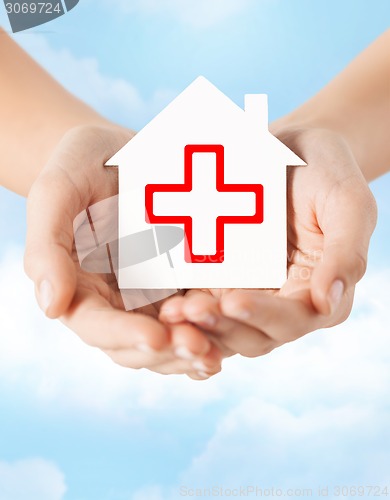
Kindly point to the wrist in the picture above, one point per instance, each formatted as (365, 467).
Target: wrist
(297, 121)
(46, 142)
(306, 121)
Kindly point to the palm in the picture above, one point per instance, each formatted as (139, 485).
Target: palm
(103, 288)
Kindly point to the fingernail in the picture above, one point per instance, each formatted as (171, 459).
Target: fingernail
(45, 295)
(335, 295)
(204, 375)
(142, 347)
(184, 353)
(199, 366)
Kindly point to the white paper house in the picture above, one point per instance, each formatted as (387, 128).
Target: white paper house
(200, 129)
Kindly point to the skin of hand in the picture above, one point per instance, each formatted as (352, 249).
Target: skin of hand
(90, 304)
(332, 215)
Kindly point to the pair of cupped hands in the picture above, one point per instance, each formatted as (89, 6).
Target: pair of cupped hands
(331, 216)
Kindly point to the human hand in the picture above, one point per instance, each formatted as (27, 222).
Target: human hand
(90, 304)
(331, 216)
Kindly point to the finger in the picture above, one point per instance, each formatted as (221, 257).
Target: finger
(204, 310)
(202, 367)
(136, 359)
(98, 324)
(159, 304)
(189, 342)
(172, 310)
(189, 348)
(280, 319)
(347, 223)
(184, 356)
(196, 376)
(48, 260)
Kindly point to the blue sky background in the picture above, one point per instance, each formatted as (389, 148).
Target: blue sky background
(72, 425)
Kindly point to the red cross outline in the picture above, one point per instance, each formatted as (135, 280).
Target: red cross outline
(257, 218)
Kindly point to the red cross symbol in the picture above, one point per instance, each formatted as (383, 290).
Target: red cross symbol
(218, 224)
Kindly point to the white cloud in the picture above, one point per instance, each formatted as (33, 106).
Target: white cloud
(322, 445)
(265, 445)
(115, 98)
(317, 409)
(33, 479)
(198, 13)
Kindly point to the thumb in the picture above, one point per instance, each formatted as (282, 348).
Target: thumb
(347, 222)
(51, 207)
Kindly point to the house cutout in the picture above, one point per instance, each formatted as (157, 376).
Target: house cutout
(214, 170)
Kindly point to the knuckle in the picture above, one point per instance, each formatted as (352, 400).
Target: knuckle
(359, 264)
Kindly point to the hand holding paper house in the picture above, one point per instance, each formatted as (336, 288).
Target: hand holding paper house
(209, 167)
